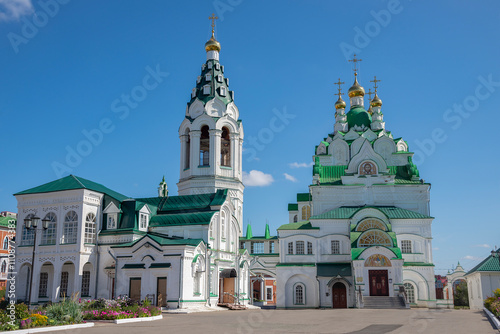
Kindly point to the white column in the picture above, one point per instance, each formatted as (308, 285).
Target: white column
(77, 285)
(56, 282)
(215, 135)
(183, 140)
(234, 138)
(195, 150)
(36, 281)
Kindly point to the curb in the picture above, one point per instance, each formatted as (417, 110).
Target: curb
(493, 319)
(49, 329)
(128, 320)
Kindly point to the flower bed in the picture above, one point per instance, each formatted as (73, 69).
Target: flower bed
(492, 304)
(74, 311)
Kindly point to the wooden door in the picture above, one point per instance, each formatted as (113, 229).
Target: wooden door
(228, 290)
(339, 295)
(161, 291)
(135, 289)
(379, 283)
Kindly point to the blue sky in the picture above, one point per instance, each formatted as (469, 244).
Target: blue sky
(66, 69)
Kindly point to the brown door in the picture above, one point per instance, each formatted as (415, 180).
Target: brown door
(135, 289)
(161, 291)
(339, 295)
(379, 283)
(228, 288)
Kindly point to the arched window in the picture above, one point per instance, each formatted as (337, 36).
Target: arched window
(410, 292)
(371, 223)
(50, 234)
(90, 229)
(306, 212)
(374, 238)
(70, 230)
(295, 218)
(204, 146)
(299, 295)
(6, 243)
(223, 225)
(27, 236)
(4, 267)
(225, 148)
(187, 158)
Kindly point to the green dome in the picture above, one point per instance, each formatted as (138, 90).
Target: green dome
(359, 116)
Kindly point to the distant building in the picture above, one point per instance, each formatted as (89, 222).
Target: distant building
(264, 251)
(482, 280)
(6, 219)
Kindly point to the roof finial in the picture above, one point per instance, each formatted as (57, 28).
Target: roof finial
(355, 61)
(340, 104)
(369, 93)
(339, 83)
(213, 18)
(375, 84)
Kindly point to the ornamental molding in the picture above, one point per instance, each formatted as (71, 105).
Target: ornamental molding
(66, 258)
(74, 206)
(51, 208)
(51, 259)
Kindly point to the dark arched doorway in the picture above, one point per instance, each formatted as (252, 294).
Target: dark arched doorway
(339, 295)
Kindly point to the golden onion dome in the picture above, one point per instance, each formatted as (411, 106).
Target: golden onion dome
(212, 45)
(376, 102)
(356, 89)
(340, 104)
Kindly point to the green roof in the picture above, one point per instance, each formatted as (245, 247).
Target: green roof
(356, 252)
(249, 234)
(191, 218)
(330, 174)
(214, 84)
(334, 269)
(293, 207)
(418, 264)
(303, 197)
(162, 240)
(4, 221)
(489, 264)
(392, 212)
(304, 225)
(180, 204)
(358, 116)
(72, 182)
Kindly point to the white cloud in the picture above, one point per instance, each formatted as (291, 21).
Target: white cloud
(470, 257)
(14, 9)
(301, 164)
(435, 248)
(290, 177)
(483, 246)
(256, 178)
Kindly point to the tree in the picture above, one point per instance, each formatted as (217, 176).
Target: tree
(461, 295)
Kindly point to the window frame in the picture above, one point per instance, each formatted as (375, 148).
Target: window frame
(309, 248)
(300, 247)
(85, 283)
(335, 247)
(290, 248)
(302, 299)
(90, 229)
(70, 228)
(43, 285)
(49, 236)
(405, 246)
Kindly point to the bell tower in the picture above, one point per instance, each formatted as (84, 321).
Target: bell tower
(211, 134)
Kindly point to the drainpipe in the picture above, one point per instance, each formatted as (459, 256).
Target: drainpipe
(97, 265)
(116, 271)
(180, 280)
(208, 269)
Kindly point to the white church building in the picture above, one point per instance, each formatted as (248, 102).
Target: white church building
(361, 235)
(177, 251)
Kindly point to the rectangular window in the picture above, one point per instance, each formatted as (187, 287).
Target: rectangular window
(299, 295)
(406, 246)
(257, 248)
(309, 247)
(335, 247)
(85, 283)
(208, 77)
(144, 221)
(242, 245)
(70, 232)
(222, 91)
(63, 292)
(27, 236)
(42, 288)
(49, 235)
(300, 247)
(290, 248)
(269, 293)
(206, 90)
(271, 247)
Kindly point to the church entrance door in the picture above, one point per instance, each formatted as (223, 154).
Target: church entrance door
(379, 283)
(339, 295)
(135, 289)
(161, 292)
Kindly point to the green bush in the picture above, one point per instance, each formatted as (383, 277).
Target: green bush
(488, 301)
(68, 311)
(2, 293)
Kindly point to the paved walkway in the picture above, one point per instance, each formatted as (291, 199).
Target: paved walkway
(310, 321)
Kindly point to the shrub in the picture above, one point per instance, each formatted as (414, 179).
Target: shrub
(488, 301)
(67, 311)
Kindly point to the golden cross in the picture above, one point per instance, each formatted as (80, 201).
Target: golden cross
(355, 61)
(375, 83)
(370, 93)
(213, 18)
(340, 88)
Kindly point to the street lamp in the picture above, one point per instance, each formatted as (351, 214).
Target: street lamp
(32, 224)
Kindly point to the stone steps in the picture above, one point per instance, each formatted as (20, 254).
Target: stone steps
(381, 302)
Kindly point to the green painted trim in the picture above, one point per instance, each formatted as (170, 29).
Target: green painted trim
(68, 243)
(296, 265)
(229, 261)
(193, 301)
(225, 167)
(204, 166)
(418, 264)
(47, 245)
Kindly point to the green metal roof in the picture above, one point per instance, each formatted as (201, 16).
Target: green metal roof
(334, 269)
(72, 182)
(191, 218)
(293, 207)
(489, 264)
(304, 225)
(418, 264)
(4, 221)
(303, 197)
(179, 204)
(392, 212)
(356, 252)
(249, 234)
(329, 174)
(214, 84)
(258, 238)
